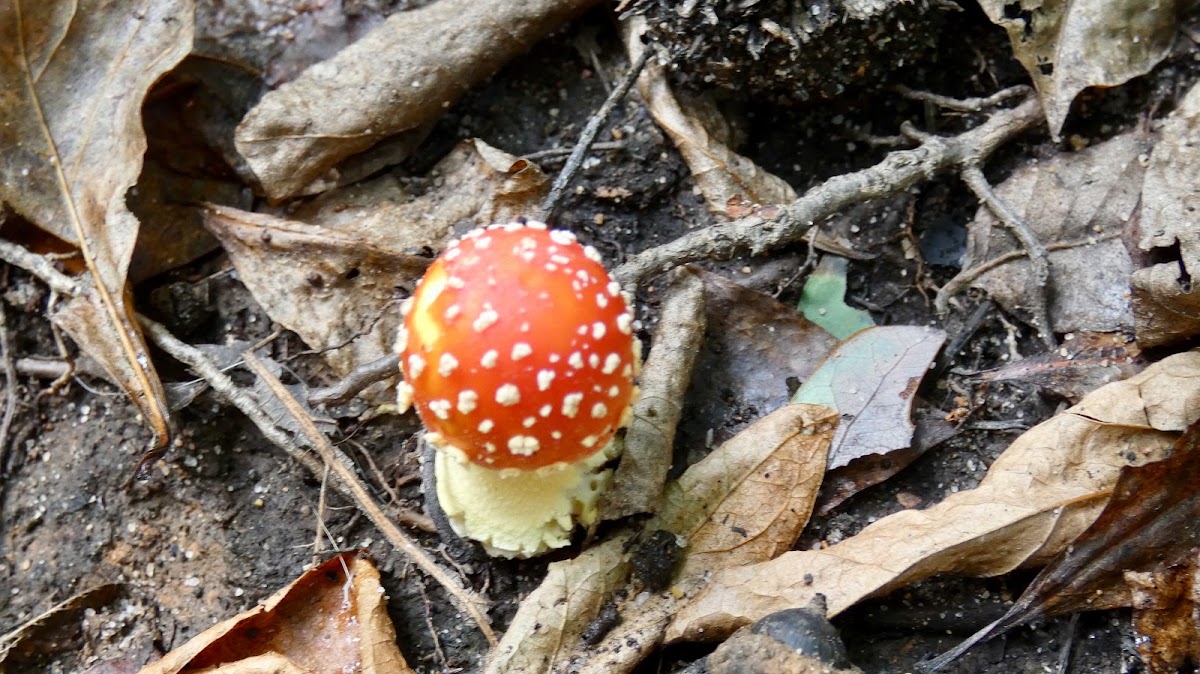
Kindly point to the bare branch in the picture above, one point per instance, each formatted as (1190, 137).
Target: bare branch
(899, 171)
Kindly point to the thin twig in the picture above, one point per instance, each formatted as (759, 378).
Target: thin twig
(965, 104)
(10, 384)
(968, 276)
(1064, 656)
(234, 394)
(567, 174)
(63, 352)
(960, 339)
(56, 368)
(899, 171)
(320, 528)
(1039, 259)
(406, 517)
(810, 261)
(858, 135)
(471, 603)
(40, 267)
(437, 643)
(559, 152)
(359, 378)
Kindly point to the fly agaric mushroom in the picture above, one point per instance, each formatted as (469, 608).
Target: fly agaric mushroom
(518, 352)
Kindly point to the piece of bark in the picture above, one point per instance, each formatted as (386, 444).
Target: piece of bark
(388, 82)
(639, 480)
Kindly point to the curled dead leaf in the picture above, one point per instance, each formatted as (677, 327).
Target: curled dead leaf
(724, 177)
(1067, 47)
(73, 77)
(1042, 492)
(1148, 523)
(331, 619)
(1166, 301)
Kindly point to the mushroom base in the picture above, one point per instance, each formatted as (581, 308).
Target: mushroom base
(520, 514)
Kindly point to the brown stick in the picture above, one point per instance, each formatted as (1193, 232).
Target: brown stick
(899, 171)
(471, 603)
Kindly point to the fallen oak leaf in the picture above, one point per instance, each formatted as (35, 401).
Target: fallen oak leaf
(73, 77)
(1041, 493)
(1149, 521)
(331, 619)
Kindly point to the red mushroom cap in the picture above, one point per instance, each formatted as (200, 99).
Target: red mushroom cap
(519, 349)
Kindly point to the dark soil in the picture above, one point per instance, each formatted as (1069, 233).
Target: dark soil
(224, 518)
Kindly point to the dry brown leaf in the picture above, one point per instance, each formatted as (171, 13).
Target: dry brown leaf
(334, 279)
(745, 502)
(931, 429)
(51, 632)
(1148, 523)
(332, 288)
(871, 380)
(1078, 204)
(1069, 46)
(552, 619)
(753, 345)
(1166, 301)
(698, 131)
(387, 82)
(750, 499)
(475, 184)
(1042, 492)
(72, 79)
(327, 620)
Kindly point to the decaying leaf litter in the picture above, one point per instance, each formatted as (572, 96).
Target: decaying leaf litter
(151, 548)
